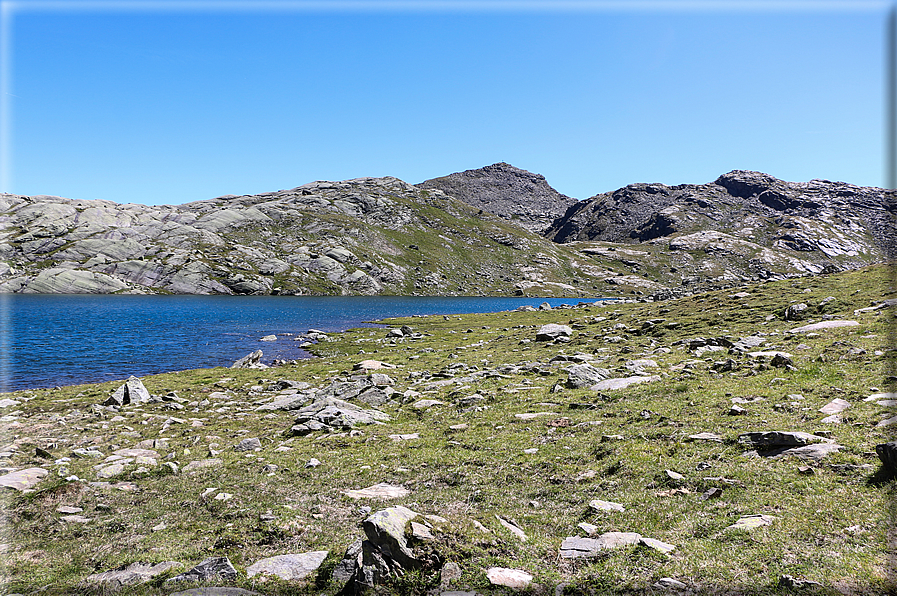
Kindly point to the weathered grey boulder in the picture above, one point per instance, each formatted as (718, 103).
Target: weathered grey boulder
(132, 392)
(385, 530)
(210, 569)
(553, 331)
(775, 438)
(823, 325)
(796, 312)
(887, 453)
(289, 567)
(129, 575)
(252, 360)
(622, 383)
(585, 375)
(23, 479)
(331, 413)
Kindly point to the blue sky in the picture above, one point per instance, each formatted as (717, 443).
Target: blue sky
(169, 102)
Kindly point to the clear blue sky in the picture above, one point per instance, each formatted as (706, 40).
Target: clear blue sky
(174, 102)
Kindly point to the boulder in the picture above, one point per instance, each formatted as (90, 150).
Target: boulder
(553, 331)
(129, 575)
(132, 392)
(585, 375)
(823, 325)
(511, 578)
(622, 383)
(774, 438)
(252, 360)
(289, 567)
(23, 479)
(378, 491)
(385, 530)
(214, 568)
(887, 453)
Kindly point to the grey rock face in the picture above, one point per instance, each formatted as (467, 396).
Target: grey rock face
(252, 360)
(210, 569)
(519, 196)
(330, 413)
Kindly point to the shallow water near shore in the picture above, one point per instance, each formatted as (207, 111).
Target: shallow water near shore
(50, 340)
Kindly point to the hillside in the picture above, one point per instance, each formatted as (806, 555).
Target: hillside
(521, 197)
(469, 233)
(721, 444)
(743, 226)
(362, 236)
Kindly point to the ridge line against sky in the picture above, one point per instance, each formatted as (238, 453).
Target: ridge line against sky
(560, 169)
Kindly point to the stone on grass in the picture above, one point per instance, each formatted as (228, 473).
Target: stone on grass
(129, 575)
(23, 479)
(668, 583)
(749, 522)
(574, 547)
(290, 566)
(599, 505)
(132, 392)
(372, 365)
(248, 444)
(585, 375)
(520, 534)
(378, 491)
(622, 383)
(213, 568)
(385, 529)
(887, 453)
(202, 464)
(835, 406)
(780, 439)
(706, 437)
(823, 325)
(425, 404)
(215, 591)
(553, 331)
(510, 578)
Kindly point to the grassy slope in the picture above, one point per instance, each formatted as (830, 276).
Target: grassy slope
(482, 471)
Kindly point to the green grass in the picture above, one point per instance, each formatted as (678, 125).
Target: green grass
(478, 473)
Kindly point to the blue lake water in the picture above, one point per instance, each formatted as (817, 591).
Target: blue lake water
(49, 340)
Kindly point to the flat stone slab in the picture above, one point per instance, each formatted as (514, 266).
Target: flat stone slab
(534, 415)
(379, 491)
(129, 575)
(575, 547)
(372, 365)
(215, 591)
(202, 464)
(706, 437)
(511, 578)
(777, 438)
(289, 567)
(824, 325)
(426, 403)
(769, 354)
(212, 568)
(835, 406)
(6, 402)
(622, 383)
(599, 505)
(749, 522)
(23, 479)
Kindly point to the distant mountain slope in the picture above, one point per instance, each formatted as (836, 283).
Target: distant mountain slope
(519, 196)
(362, 236)
(744, 221)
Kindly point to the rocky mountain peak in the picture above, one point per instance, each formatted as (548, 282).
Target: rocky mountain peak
(746, 183)
(514, 194)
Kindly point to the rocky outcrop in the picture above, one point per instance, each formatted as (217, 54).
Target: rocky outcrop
(519, 196)
(743, 226)
(364, 236)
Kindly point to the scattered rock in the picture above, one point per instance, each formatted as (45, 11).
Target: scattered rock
(132, 392)
(379, 491)
(824, 325)
(622, 383)
(511, 578)
(575, 548)
(250, 444)
(585, 375)
(289, 567)
(129, 575)
(887, 453)
(553, 331)
(23, 479)
(252, 360)
(599, 505)
(211, 569)
(749, 522)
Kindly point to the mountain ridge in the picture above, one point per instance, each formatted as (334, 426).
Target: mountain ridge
(386, 236)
